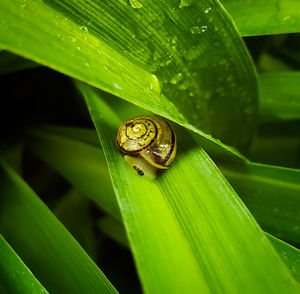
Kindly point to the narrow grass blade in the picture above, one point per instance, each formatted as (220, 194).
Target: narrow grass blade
(88, 173)
(10, 63)
(289, 254)
(271, 193)
(73, 210)
(279, 96)
(167, 57)
(188, 230)
(113, 228)
(15, 277)
(265, 17)
(280, 221)
(276, 149)
(50, 251)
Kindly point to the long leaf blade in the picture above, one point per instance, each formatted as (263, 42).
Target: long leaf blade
(279, 96)
(278, 214)
(50, 251)
(15, 277)
(192, 206)
(167, 58)
(265, 17)
(272, 195)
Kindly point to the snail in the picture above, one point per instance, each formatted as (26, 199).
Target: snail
(149, 143)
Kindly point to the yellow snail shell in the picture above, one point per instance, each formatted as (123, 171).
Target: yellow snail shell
(148, 142)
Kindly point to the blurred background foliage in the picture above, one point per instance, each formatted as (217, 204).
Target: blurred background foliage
(34, 95)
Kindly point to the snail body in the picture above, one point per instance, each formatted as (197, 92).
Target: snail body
(148, 138)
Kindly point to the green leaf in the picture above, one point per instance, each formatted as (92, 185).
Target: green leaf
(265, 17)
(73, 211)
(15, 277)
(277, 149)
(279, 96)
(289, 254)
(113, 228)
(188, 230)
(84, 172)
(50, 251)
(271, 193)
(256, 177)
(10, 63)
(166, 57)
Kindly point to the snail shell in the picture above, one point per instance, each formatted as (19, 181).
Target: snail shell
(150, 138)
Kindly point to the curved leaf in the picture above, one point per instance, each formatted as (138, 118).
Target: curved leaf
(279, 221)
(271, 193)
(184, 61)
(15, 277)
(10, 63)
(265, 17)
(188, 230)
(50, 251)
(279, 96)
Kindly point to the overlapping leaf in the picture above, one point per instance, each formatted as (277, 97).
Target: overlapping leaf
(265, 17)
(15, 277)
(168, 57)
(188, 229)
(50, 251)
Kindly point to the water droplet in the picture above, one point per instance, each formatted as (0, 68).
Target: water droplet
(177, 78)
(286, 17)
(23, 4)
(78, 47)
(99, 52)
(203, 29)
(105, 67)
(117, 86)
(185, 3)
(135, 4)
(84, 28)
(198, 30)
(73, 40)
(87, 64)
(207, 10)
(166, 61)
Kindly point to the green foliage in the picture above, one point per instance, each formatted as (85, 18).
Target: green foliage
(198, 226)
(265, 17)
(15, 276)
(43, 243)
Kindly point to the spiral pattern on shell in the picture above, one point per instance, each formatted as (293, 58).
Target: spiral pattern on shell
(148, 137)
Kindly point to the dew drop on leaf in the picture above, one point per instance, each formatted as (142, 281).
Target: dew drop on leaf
(185, 3)
(84, 28)
(177, 78)
(135, 4)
